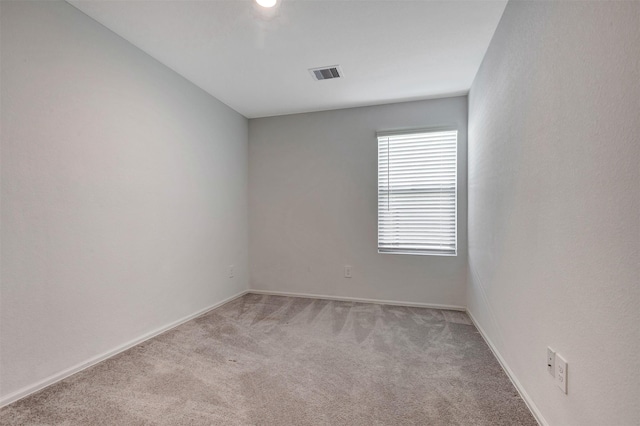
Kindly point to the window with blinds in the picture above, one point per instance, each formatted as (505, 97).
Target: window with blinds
(417, 192)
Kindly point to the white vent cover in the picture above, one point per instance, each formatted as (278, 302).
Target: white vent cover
(326, 73)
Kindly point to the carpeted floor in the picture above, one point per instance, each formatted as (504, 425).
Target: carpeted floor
(271, 360)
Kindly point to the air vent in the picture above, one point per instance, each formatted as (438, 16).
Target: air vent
(326, 73)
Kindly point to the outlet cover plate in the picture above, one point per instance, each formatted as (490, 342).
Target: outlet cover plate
(561, 373)
(551, 362)
(347, 271)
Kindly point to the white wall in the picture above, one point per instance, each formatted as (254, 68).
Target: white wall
(554, 216)
(313, 206)
(124, 193)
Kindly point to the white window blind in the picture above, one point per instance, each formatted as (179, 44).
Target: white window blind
(417, 192)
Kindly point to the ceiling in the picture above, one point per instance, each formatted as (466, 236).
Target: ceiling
(256, 60)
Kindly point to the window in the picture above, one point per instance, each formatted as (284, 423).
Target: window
(417, 192)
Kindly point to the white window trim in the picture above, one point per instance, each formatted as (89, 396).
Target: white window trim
(421, 252)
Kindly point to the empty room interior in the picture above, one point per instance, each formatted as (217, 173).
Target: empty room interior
(290, 212)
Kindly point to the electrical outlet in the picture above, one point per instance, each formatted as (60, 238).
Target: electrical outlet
(561, 373)
(230, 271)
(347, 271)
(551, 362)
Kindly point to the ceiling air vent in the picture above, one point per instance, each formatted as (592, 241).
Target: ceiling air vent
(326, 73)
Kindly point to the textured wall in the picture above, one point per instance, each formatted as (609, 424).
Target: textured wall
(124, 193)
(554, 228)
(313, 206)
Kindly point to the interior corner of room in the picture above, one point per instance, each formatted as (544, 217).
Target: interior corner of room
(147, 185)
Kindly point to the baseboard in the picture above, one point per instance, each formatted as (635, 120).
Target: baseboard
(523, 393)
(28, 390)
(359, 299)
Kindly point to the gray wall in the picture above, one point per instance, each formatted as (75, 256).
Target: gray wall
(124, 194)
(313, 206)
(554, 228)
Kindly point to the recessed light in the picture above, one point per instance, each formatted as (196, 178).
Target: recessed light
(267, 3)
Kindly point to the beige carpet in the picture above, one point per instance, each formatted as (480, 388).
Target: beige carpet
(269, 360)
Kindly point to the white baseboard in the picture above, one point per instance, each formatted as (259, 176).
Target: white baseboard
(523, 393)
(28, 390)
(359, 299)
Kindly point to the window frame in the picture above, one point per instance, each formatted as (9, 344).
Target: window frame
(405, 132)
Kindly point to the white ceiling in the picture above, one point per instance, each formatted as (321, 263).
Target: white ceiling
(255, 60)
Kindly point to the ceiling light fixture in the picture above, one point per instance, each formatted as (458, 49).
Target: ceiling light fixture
(267, 3)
